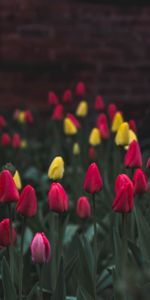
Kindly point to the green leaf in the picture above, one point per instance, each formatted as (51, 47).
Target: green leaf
(82, 294)
(59, 293)
(9, 289)
(70, 266)
(70, 231)
(32, 292)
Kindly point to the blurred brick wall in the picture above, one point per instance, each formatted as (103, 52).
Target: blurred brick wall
(48, 44)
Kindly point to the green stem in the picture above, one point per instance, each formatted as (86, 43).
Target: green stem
(39, 269)
(95, 242)
(60, 240)
(11, 256)
(125, 247)
(21, 258)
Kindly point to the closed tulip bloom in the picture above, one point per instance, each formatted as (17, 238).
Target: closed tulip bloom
(76, 149)
(58, 113)
(16, 141)
(80, 89)
(67, 97)
(52, 99)
(112, 109)
(69, 127)
(124, 200)
(102, 119)
(133, 156)
(140, 182)
(117, 121)
(3, 122)
(29, 117)
(95, 138)
(102, 124)
(83, 209)
(40, 248)
(132, 125)
(148, 163)
(21, 117)
(27, 204)
(82, 109)
(56, 168)
(93, 181)
(8, 190)
(57, 198)
(5, 140)
(24, 144)
(122, 135)
(17, 180)
(92, 153)
(5, 238)
(99, 103)
(74, 120)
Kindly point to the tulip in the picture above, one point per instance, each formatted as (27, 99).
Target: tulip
(92, 153)
(148, 163)
(124, 189)
(101, 119)
(117, 121)
(29, 117)
(82, 109)
(93, 182)
(5, 140)
(102, 124)
(122, 135)
(140, 182)
(76, 149)
(80, 89)
(99, 103)
(69, 127)
(52, 99)
(16, 141)
(74, 120)
(95, 138)
(56, 168)
(57, 198)
(83, 209)
(21, 117)
(17, 180)
(3, 122)
(58, 113)
(40, 248)
(112, 109)
(27, 204)
(67, 96)
(133, 157)
(23, 144)
(8, 190)
(132, 125)
(5, 236)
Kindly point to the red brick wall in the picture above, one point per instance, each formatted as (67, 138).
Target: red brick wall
(48, 44)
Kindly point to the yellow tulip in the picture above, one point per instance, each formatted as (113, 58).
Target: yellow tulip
(122, 135)
(76, 149)
(132, 137)
(95, 137)
(117, 121)
(56, 168)
(82, 109)
(24, 144)
(69, 127)
(21, 117)
(17, 180)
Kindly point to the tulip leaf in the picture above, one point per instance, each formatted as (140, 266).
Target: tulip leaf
(82, 294)
(9, 289)
(70, 266)
(32, 292)
(59, 293)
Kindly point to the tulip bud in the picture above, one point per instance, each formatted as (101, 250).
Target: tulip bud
(117, 121)
(56, 168)
(140, 182)
(132, 125)
(83, 209)
(133, 157)
(57, 198)
(102, 124)
(5, 140)
(52, 99)
(23, 144)
(82, 109)
(16, 141)
(148, 163)
(58, 113)
(29, 117)
(74, 120)
(76, 149)
(112, 109)
(69, 127)
(17, 180)
(8, 190)
(99, 103)
(21, 117)
(93, 182)
(95, 138)
(124, 200)
(5, 233)
(122, 135)
(92, 153)
(3, 122)
(80, 89)
(27, 204)
(67, 96)
(40, 248)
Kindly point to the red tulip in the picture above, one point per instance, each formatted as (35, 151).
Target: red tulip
(80, 89)
(52, 99)
(132, 125)
(58, 113)
(92, 153)
(74, 120)
(83, 209)
(40, 248)
(8, 190)
(93, 182)
(67, 96)
(148, 163)
(112, 109)
(133, 157)
(16, 141)
(140, 182)
(5, 140)
(27, 204)
(102, 124)
(99, 103)
(29, 117)
(57, 198)
(5, 233)
(3, 122)
(124, 200)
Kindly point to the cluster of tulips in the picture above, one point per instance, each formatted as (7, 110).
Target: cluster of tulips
(94, 174)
